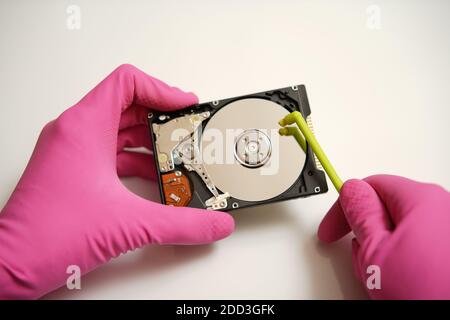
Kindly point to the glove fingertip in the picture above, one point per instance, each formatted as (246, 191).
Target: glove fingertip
(180, 100)
(184, 225)
(193, 98)
(221, 224)
(334, 225)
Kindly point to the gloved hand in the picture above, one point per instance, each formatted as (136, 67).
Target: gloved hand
(70, 208)
(402, 227)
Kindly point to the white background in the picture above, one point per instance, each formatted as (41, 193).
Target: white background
(379, 99)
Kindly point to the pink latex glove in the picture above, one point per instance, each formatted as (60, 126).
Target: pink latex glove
(70, 208)
(401, 226)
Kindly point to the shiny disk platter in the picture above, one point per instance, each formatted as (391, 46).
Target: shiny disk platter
(227, 154)
(250, 125)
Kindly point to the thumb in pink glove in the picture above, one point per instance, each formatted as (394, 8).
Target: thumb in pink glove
(402, 230)
(70, 208)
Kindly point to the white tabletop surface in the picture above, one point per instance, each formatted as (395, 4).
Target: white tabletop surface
(378, 79)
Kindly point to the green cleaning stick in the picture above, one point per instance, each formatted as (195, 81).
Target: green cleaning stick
(311, 139)
(293, 131)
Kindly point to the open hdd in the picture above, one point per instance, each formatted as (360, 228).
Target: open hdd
(228, 154)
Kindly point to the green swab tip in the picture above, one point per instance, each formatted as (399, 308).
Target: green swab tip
(283, 131)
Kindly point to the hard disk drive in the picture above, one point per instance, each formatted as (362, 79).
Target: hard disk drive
(228, 154)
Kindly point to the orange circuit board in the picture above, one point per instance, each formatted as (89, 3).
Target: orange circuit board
(177, 189)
